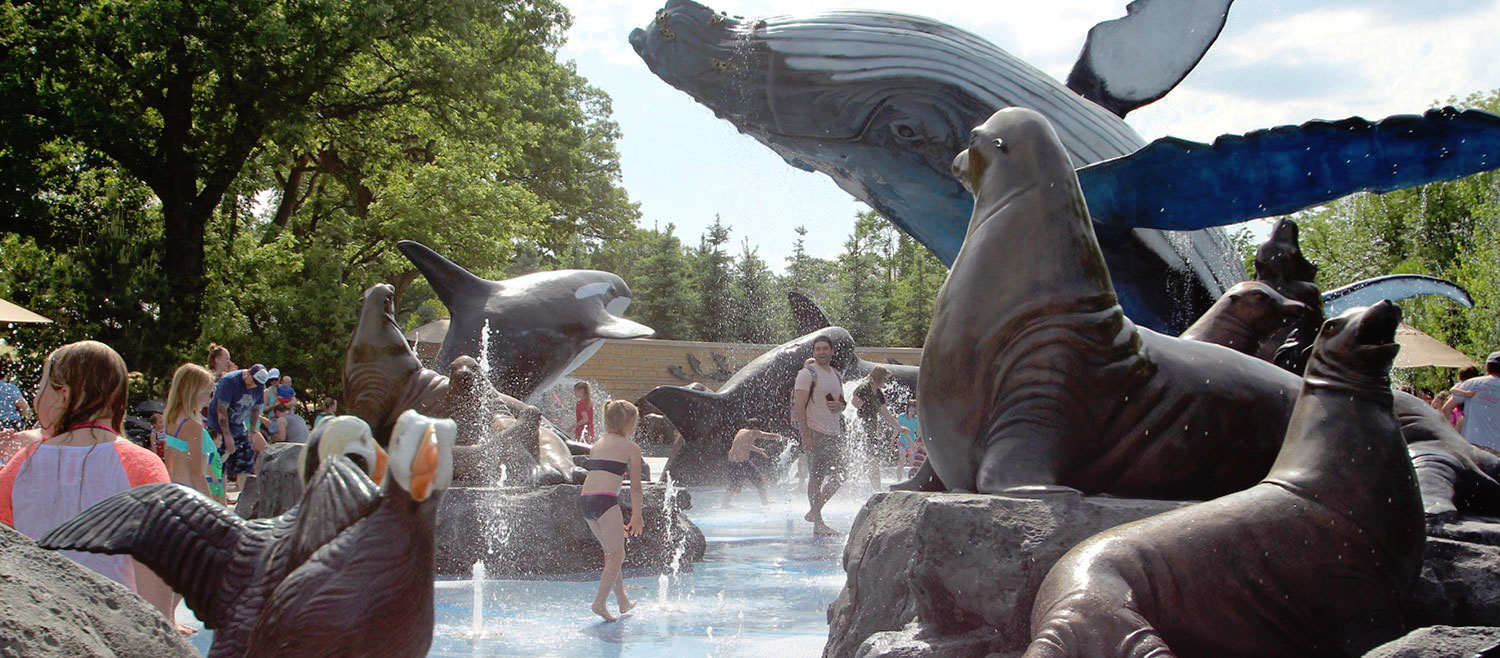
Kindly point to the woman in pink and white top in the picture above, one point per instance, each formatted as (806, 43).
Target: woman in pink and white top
(79, 458)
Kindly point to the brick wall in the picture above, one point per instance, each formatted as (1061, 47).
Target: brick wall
(629, 368)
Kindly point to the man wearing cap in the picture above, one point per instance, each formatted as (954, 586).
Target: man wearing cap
(1480, 399)
(237, 402)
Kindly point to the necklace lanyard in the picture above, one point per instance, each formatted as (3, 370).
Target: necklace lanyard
(96, 426)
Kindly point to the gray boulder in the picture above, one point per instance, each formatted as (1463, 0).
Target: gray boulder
(275, 487)
(1440, 642)
(943, 570)
(52, 607)
(521, 531)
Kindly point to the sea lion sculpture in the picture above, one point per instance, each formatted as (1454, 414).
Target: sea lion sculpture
(1045, 382)
(1218, 578)
(541, 326)
(383, 378)
(1246, 316)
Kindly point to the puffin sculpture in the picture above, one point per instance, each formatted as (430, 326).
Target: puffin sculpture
(224, 566)
(380, 568)
(349, 436)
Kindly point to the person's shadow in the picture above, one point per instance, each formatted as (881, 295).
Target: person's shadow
(611, 633)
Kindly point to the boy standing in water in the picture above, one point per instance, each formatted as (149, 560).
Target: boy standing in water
(740, 468)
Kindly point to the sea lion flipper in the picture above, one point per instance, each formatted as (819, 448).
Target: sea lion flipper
(1113, 628)
(1023, 457)
(179, 533)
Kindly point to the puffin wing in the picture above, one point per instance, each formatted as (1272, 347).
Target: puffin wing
(326, 606)
(1176, 184)
(1395, 288)
(1129, 62)
(182, 535)
(337, 497)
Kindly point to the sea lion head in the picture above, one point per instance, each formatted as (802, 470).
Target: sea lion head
(1011, 152)
(1259, 305)
(1354, 351)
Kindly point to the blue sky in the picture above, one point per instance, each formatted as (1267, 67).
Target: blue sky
(1277, 62)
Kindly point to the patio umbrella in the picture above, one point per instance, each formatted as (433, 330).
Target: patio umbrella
(11, 313)
(432, 332)
(1419, 349)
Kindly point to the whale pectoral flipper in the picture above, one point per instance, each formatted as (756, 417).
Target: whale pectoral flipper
(1087, 623)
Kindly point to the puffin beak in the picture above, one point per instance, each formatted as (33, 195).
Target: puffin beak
(425, 465)
(378, 475)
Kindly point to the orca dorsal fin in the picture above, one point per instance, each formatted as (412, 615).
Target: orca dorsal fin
(449, 280)
(806, 313)
(1135, 60)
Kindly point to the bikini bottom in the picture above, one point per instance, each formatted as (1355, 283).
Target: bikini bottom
(594, 505)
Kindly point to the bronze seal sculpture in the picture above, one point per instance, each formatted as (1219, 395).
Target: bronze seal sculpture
(1044, 381)
(1317, 559)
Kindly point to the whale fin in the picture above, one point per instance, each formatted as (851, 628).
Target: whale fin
(615, 326)
(449, 280)
(1395, 287)
(692, 412)
(1133, 61)
(1176, 184)
(187, 539)
(806, 312)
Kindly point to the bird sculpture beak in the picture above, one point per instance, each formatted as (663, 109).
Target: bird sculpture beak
(378, 474)
(425, 465)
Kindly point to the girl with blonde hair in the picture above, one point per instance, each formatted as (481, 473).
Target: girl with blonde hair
(80, 458)
(614, 454)
(192, 457)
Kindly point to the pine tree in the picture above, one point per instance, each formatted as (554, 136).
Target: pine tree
(663, 290)
(713, 282)
(860, 282)
(918, 276)
(756, 298)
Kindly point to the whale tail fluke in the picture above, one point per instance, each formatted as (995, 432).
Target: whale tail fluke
(694, 413)
(450, 281)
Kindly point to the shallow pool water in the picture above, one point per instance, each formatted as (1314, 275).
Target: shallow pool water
(763, 589)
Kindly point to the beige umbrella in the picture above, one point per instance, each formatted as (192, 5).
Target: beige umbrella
(1419, 349)
(432, 332)
(11, 313)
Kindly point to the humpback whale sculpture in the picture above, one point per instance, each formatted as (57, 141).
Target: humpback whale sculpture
(541, 326)
(881, 103)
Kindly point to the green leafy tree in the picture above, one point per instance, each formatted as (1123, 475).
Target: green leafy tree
(919, 276)
(812, 276)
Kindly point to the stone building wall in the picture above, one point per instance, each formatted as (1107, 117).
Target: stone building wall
(627, 369)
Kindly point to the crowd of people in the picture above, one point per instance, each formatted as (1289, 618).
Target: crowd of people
(68, 448)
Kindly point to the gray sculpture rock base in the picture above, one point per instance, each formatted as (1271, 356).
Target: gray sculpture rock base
(275, 487)
(52, 607)
(520, 532)
(1439, 642)
(941, 574)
